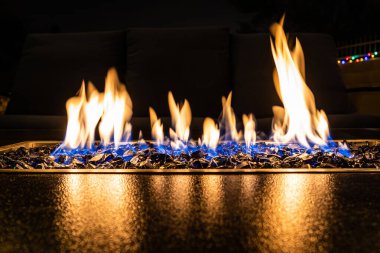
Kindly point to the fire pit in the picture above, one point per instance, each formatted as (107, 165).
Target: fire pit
(300, 136)
(360, 156)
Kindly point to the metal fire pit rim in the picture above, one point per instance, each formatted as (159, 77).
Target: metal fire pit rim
(191, 171)
(178, 171)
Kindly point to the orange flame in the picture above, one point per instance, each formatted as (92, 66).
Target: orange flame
(83, 117)
(228, 120)
(211, 133)
(117, 111)
(249, 129)
(114, 108)
(93, 110)
(74, 127)
(299, 120)
(181, 120)
(157, 127)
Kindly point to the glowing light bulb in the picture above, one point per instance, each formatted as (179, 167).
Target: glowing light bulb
(375, 53)
(350, 61)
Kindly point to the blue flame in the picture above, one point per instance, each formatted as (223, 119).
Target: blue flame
(127, 150)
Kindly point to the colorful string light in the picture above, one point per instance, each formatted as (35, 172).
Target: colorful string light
(358, 58)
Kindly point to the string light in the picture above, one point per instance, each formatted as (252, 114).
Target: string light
(358, 58)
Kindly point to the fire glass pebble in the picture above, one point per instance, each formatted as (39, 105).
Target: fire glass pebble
(227, 155)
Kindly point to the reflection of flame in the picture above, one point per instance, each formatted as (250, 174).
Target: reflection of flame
(212, 187)
(299, 120)
(292, 209)
(210, 133)
(228, 120)
(114, 107)
(180, 189)
(157, 127)
(172, 194)
(181, 119)
(249, 129)
(158, 184)
(111, 199)
(249, 184)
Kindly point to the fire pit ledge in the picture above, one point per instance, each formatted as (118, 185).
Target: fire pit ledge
(31, 144)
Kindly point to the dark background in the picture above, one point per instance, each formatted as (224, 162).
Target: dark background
(345, 20)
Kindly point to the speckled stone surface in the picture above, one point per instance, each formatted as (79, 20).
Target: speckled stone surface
(190, 213)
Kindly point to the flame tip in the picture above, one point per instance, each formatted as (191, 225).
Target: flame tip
(113, 109)
(298, 120)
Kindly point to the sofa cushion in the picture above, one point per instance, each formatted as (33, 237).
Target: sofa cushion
(53, 66)
(253, 74)
(193, 63)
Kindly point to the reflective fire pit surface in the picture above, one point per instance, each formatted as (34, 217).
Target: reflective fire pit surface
(190, 213)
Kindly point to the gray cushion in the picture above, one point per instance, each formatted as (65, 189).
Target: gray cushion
(193, 63)
(53, 65)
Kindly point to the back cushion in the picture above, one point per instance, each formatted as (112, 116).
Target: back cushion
(193, 63)
(53, 66)
(253, 74)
